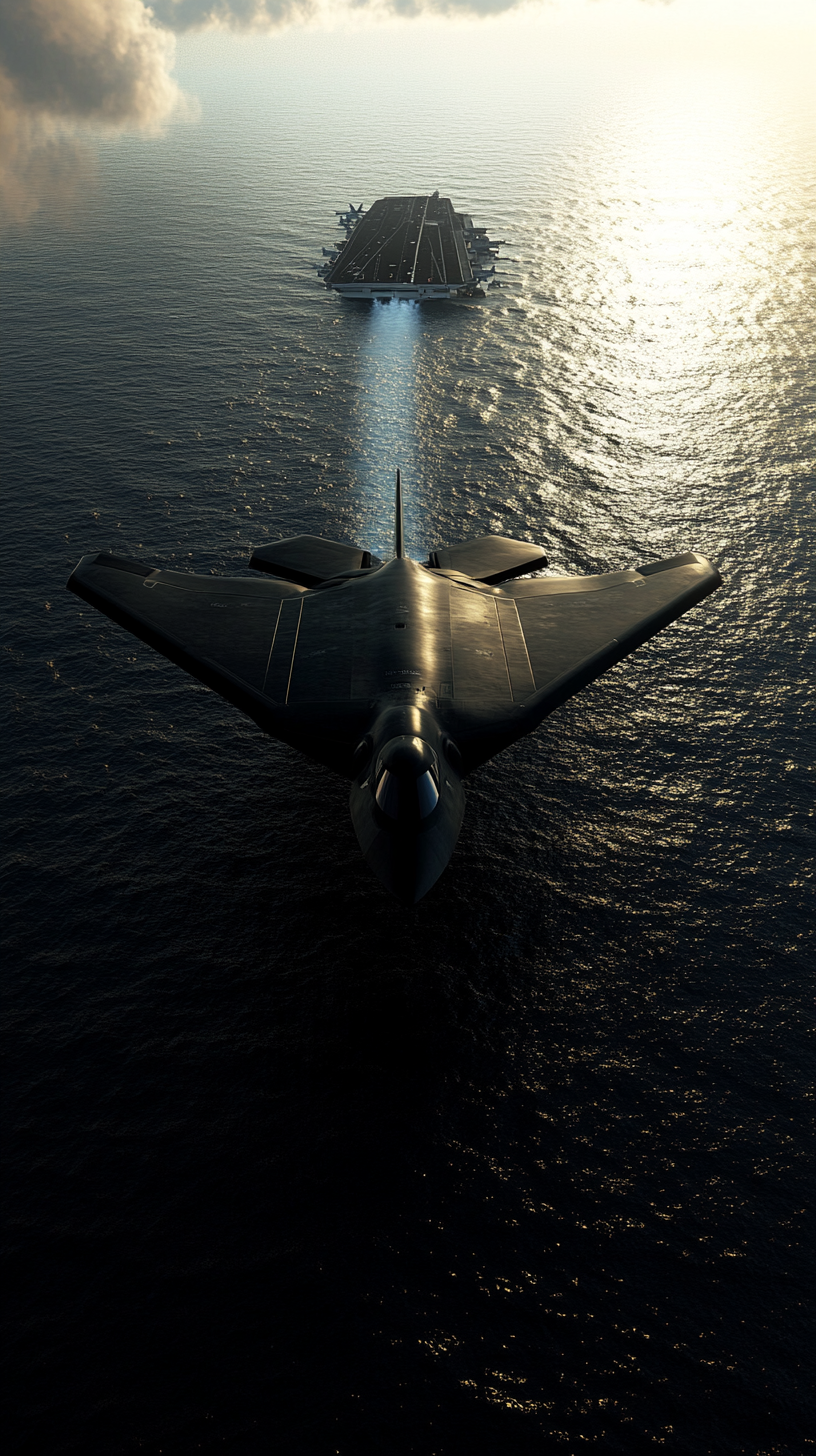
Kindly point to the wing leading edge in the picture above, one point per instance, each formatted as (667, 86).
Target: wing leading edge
(219, 629)
(571, 630)
(577, 628)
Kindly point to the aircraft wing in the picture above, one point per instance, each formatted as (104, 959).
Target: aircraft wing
(309, 560)
(575, 628)
(495, 661)
(220, 629)
(489, 558)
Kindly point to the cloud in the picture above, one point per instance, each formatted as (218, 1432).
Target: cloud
(37, 159)
(181, 15)
(103, 60)
(69, 63)
(232, 14)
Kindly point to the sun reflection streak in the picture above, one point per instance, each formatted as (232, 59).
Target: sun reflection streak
(387, 421)
(666, 333)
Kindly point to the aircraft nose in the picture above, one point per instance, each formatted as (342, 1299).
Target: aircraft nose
(407, 811)
(410, 864)
(408, 867)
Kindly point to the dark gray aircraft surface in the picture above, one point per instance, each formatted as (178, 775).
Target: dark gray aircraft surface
(401, 676)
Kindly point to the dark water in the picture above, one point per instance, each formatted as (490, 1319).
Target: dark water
(293, 1169)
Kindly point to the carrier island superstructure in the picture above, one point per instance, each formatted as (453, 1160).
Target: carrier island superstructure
(410, 247)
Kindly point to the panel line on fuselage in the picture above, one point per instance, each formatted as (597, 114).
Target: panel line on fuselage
(271, 647)
(279, 672)
(519, 667)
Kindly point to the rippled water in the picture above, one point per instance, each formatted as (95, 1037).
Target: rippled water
(295, 1169)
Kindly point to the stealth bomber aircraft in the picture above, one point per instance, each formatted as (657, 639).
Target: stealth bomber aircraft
(402, 676)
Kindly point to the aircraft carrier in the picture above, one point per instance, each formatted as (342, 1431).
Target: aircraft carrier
(410, 247)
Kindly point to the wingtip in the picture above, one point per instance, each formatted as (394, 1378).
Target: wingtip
(104, 558)
(687, 558)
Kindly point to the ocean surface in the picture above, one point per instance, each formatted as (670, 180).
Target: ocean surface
(293, 1169)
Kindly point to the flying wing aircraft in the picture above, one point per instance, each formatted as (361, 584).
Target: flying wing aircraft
(402, 676)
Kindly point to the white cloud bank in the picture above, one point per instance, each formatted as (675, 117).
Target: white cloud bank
(65, 63)
(70, 64)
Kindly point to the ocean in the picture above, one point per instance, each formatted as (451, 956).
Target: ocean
(291, 1168)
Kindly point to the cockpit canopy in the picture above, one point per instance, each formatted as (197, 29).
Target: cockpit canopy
(406, 785)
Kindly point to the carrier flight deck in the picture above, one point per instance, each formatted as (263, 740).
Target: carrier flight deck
(409, 247)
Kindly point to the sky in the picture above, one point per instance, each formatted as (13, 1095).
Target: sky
(72, 68)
